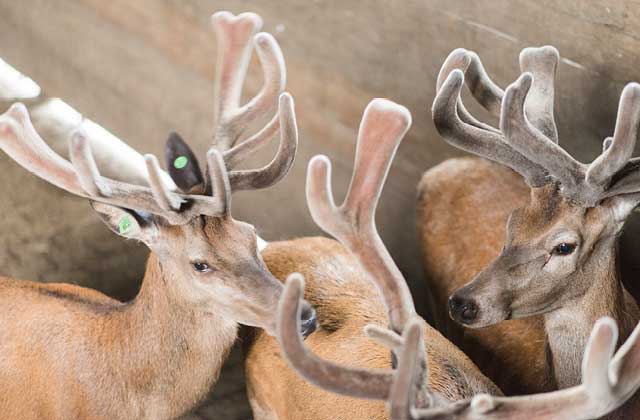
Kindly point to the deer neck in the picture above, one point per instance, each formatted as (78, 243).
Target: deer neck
(171, 351)
(568, 328)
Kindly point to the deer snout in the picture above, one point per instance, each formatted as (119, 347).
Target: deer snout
(463, 310)
(308, 320)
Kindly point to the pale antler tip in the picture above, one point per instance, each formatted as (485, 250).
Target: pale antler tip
(264, 40)
(150, 158)
(524, 81)
(18, 109)
(548, 51)
(387, 107)
(631, 90)
(296, 280)
(285, 100)
(608, 323)
(460, 57)
(319, 162)
(457, 60)
(78, 138)
(225, 18)
(456, 77)
(482, 403)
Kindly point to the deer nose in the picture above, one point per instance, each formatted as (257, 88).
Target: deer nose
(463, 310)
(308, 320)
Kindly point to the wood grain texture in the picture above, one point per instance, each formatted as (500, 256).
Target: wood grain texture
(144, 68)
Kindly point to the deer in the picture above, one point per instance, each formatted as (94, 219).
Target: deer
(526, 276)
(412, 390)
(72, 352)
(351, 283)
(609, 377)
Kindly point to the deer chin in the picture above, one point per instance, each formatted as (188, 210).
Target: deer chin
(487, 317)
(517, 313)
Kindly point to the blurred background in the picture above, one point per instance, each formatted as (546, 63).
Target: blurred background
(144, 68)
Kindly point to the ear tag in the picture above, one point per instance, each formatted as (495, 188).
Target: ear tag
(180, 162)
(125, 225)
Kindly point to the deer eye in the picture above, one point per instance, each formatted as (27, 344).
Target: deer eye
(201, 267)
(564, 248)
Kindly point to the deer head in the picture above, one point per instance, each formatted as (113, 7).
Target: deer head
(183, 216)
(568, 230)
(609, 377)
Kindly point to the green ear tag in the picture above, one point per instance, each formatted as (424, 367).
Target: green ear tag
(124, 225)
(180, 162)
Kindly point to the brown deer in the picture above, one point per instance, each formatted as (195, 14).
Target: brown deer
(70, 352)
(558, 266)
(608, 379)
(340, 285)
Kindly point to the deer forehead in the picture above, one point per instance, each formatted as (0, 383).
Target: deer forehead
(541, 218)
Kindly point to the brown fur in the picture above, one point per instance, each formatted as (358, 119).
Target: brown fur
(465, 203)
(346, 301)
(70, 352)
(463, 208)
(81, 354)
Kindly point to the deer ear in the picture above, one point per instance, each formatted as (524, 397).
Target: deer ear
(124, 222)
(183, 165)
(621, 206)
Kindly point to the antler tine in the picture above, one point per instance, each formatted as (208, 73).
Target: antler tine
(234, 34)
(156, 199)
(275, 77)
(483, 89)
(84, 165)
(534, 145)
(481, 86)
(542, 64)
(625, 366)
(81, 177)
(383, 126)
(601, 392)
(406, 382)
(220, 186)
(361, 383)
(16, 86)
(385, 337)
(22, 143)
(55, 120)
(616, 156)
(164, 199)
(241, 151)
(477, 140)
(281, 163)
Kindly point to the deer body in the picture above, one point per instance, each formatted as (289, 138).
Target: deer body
(556, 269)
(345, 302)
(97, 350)
(69, 352)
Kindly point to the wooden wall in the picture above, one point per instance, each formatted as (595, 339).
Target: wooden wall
(142, 68)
